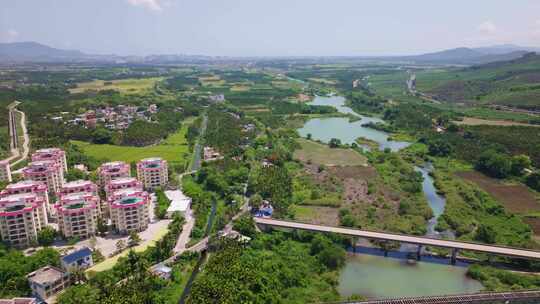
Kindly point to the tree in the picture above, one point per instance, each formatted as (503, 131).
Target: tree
(334, 143)
(309, 136)
(134, 239)
(486, 234)
(120, 245)
(102, 227)
(80, 294)
(46, 236)
(255, 200)
(439, 147)
(520, 163)
(494, 164)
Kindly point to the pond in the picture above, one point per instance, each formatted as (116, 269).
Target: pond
(324, 129)
(376, 276)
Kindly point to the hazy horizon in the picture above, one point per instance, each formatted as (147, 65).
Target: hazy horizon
(273, 28)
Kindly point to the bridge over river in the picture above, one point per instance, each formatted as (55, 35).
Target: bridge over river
(417, 240)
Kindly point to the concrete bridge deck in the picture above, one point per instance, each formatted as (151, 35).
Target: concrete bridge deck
(417, 240)
(532, 296)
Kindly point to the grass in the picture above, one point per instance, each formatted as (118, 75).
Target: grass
(324, 155)
(128, 86)
(174, 149)
(110, 262)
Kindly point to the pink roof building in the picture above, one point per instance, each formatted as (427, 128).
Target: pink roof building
(77, 214)
(129, 210)
(153, 172)
(79, 186)
(54, 154)
(113, 170)
(22, 216)
(122, 183)
(47, 171)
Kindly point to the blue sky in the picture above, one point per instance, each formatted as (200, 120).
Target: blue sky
(269, 27)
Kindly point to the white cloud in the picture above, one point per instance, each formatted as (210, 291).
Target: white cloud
(487, 27)
(9, 35)
(153, 5)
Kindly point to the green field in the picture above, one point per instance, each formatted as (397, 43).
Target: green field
(129, 86)
(174, 149)
(324, 155)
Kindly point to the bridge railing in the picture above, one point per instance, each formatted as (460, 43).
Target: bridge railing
(261, 221)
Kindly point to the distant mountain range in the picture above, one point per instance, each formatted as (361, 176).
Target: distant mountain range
(36, 52)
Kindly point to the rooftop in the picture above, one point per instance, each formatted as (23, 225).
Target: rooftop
(46, 275)
(130, 200)
(179, 202)
(77, 255)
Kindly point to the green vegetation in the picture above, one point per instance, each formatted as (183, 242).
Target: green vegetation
(322, 154)
(14, 267)
(512, 83)
(495, 279)
(273, 267)
(174, 149)
(162, 204)
(128, 86)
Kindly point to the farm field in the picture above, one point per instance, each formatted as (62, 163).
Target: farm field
(127, 86)
(515, 198)
(174, 149)
(324, 155)
(472, 121)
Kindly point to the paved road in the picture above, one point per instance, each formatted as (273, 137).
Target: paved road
(15, 145)
(197, 151)
(184, 236)
(506, 251)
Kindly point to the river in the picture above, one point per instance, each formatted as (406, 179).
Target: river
(368, 272)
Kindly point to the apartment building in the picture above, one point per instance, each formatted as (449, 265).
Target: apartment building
(5, 171)
(77, 214)
(47, 171)
(79, 186)
(22, 216)
(122, 183)
(53, 154)
(28, 186)
(153, 172)
(129, 210)
(48, 281)
(111, 171)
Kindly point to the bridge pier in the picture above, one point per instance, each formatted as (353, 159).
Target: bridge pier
(453, 259)
(419, 253)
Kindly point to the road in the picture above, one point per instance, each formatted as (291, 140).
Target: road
(197, 151)
(15, 145)
(417, 240)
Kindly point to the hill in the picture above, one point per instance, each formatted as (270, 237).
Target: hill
(33, 51)
(466, 56)
(513, 83)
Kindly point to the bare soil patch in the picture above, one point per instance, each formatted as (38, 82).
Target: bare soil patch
(515, 198)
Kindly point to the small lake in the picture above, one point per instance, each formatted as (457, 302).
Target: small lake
(324, 129)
